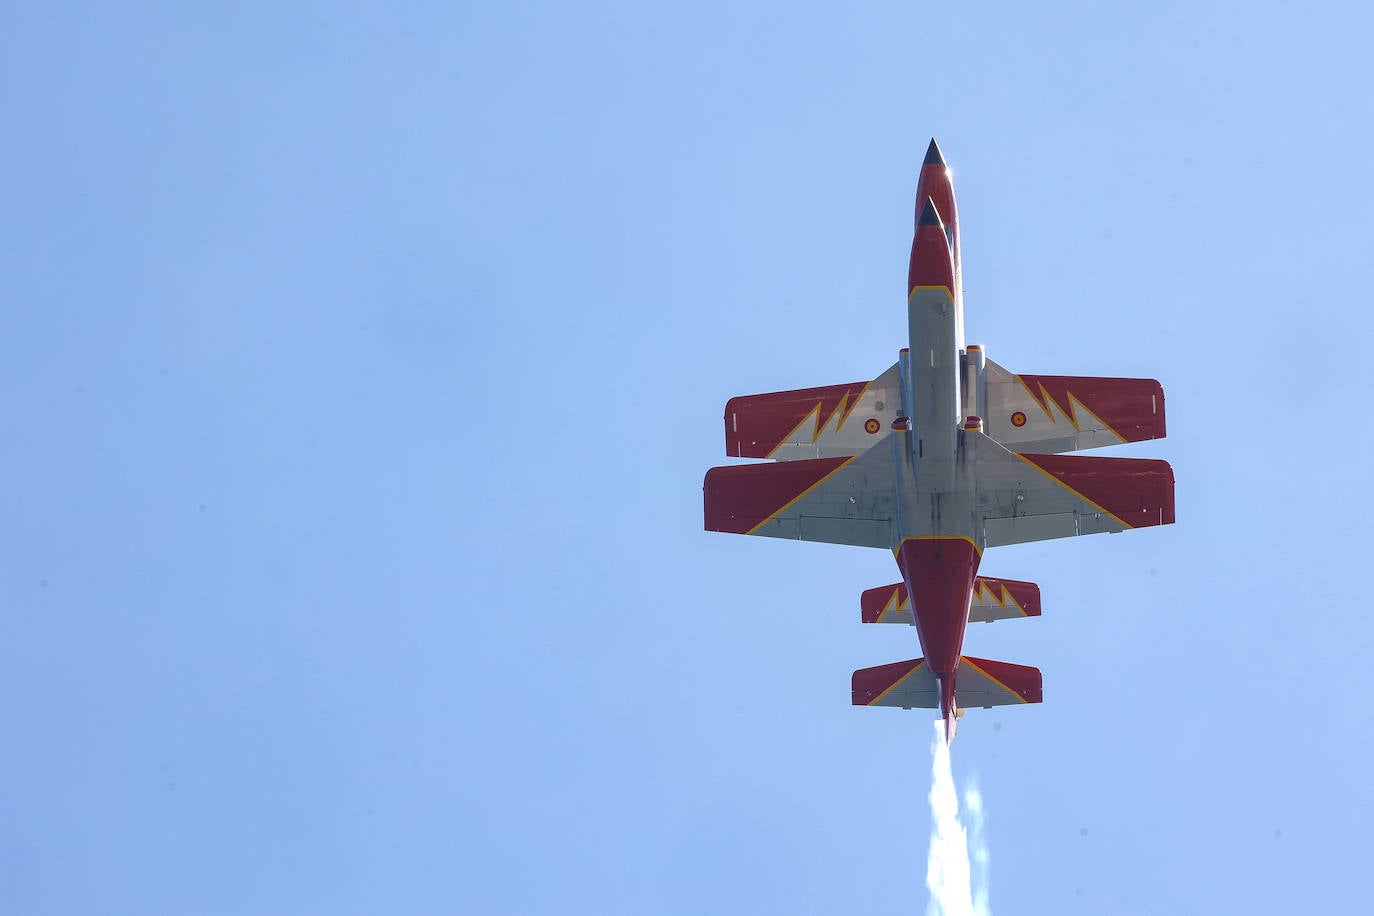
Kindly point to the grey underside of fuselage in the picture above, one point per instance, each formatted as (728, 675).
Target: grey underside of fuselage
(940, 498)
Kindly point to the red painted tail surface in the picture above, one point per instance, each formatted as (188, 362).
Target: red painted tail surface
(993, 599)
(977, 682)
(984, 682)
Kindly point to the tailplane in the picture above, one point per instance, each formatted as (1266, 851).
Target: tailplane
(993, 599)
(977, 682)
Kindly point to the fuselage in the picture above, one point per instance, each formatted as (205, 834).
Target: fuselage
(937, 552)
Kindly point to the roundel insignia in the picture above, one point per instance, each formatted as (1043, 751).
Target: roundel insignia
(871, 425)
(1018, 419)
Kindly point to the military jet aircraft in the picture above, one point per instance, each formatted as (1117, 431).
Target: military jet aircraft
(940, 457)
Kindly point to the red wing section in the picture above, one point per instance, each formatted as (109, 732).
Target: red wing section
(993, 599)
(832, 421)
(1062, 413)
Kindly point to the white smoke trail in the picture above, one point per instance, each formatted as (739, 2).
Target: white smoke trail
(978, 849)
(948, 873)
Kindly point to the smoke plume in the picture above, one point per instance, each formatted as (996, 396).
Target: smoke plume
(949, 875)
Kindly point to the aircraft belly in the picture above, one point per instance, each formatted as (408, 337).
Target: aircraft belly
(935, 377)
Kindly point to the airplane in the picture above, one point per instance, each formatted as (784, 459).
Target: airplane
(942, 456)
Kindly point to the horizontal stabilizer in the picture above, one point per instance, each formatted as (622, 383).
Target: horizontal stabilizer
(977, 682)
(1022, 498)
(832, 500)
(826, 422)
(1051, 414)
(993, 599)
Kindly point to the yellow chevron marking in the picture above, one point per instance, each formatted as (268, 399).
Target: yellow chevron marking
(1085, 499)
(1072, 414)
(891, 603)
(1078, 405)
(842, 411)
(985, 589)
(919, 665)
(1043, 402)
(1047, 403)
(1002, 600)
(845, 412)
(814, 416)
(839, 413)
(842, 465)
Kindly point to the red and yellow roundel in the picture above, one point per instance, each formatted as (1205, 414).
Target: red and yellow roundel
(1018, 419)
(871, 426)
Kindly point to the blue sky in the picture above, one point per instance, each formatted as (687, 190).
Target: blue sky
(360, 365)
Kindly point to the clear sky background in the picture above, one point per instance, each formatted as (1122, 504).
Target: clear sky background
(360, 364)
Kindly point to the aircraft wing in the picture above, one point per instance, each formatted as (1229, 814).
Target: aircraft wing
(1049, 414)
(1022, 498)
(1044, 414)
(825, 422)
(845, 500)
